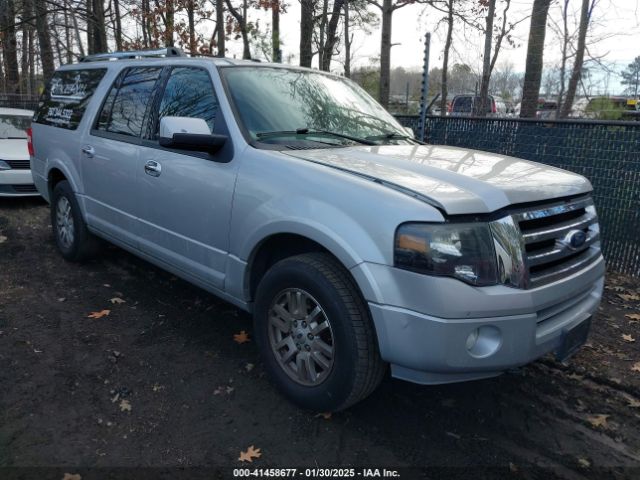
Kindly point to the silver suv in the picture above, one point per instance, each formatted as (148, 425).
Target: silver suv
(292, 194)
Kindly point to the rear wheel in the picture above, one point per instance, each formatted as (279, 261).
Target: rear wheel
(315, 333)
(73, 239)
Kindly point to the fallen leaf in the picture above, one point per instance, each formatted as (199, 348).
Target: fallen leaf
(223, 389)
(629, 297)
(72, 476)
(157, 387)
(513, 467)
(584, 462)
(453, 435)
(125, 406)
(617, 288)
(628, 338)
(633, 403)
(249, 366)
(325, 415)
(241, 337)
(598, 420)
(636, 367)
(117, 300)
(633, 316)
(250, 454)
(106, 285)
(61, 299)
(100, 314)
(3, 239)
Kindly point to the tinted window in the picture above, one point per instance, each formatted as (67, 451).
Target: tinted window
(462, 104)
(67, 96)
(14, 126)
(189, 93)
(124, 109)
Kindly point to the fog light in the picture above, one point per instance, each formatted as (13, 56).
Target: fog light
(484, 341)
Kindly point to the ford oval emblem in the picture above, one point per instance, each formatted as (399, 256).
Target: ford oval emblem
(575, 239)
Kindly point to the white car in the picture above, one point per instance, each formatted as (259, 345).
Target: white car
(15, 171)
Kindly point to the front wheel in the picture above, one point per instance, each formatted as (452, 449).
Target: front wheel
(315, 333)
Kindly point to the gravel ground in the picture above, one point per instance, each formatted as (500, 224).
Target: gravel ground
(160, 382)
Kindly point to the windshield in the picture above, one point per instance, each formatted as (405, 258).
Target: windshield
(288, 102)
(14, 126)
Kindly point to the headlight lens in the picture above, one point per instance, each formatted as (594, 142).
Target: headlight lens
(463, 251)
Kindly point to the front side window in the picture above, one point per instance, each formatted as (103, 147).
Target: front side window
(270, 100)
(14, 126)
(189, 93)
(124, 109)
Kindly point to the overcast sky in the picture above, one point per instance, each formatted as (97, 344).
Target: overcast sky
(617, 23)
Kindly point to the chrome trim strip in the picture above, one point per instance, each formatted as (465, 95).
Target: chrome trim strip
(538, 235)
(588, 257)
(559, 251)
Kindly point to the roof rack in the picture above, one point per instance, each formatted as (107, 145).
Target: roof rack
(159, 52)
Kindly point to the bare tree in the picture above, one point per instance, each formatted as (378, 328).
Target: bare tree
(585, 17)
(387, 7)
(44, 38)
(10, 44)
(242, 25)
(307, 13)
(535, 51)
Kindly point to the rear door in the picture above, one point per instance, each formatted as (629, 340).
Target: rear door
(185, 201)
(110, 150)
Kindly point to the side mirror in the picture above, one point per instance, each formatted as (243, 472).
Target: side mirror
(189, 134)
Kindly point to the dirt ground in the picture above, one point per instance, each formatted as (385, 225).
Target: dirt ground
(160, 382)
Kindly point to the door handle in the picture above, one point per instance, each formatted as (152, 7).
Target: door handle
(89, 151)
(153, 168)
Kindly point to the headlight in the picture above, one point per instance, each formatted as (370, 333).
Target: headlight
(463, 251)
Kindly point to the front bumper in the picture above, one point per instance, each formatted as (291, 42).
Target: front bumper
(426, 340)
(17, 183)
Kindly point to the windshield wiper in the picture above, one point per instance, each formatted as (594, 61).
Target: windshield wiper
(394, 136)
(307, 131)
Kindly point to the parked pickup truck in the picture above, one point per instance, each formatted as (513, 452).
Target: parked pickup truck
(292, 194)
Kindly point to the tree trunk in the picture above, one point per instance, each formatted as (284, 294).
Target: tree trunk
(192, 27)
(445, 60)
(76, 29)
(480, 107)
(385, 53)
(563, 64)
(7, 23)
(331, 37)
(44, 38)
(241, 19)
(91, 49)
(576, 73)
(220, 27)
(169, 23)
(118, 30)
(275, 31)
(322, 29)
(306, 32)
(24, 58)
(347, 41)
(67, 33)
(535, 51)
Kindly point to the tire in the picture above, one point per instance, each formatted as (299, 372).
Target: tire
(286, 316)
(73, 239)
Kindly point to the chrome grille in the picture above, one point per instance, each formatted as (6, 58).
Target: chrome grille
(558, 239)
(18, 164)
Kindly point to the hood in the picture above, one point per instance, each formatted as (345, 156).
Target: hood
(456, 180)
(13, 149)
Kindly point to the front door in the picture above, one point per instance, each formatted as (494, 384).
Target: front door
(185, 197)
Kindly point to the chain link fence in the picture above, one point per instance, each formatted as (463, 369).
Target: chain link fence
(13, 100)
(607, 153)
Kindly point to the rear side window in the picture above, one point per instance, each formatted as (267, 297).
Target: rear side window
(66, 97)
(124, 109)
(189, 93)
(462, 104)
